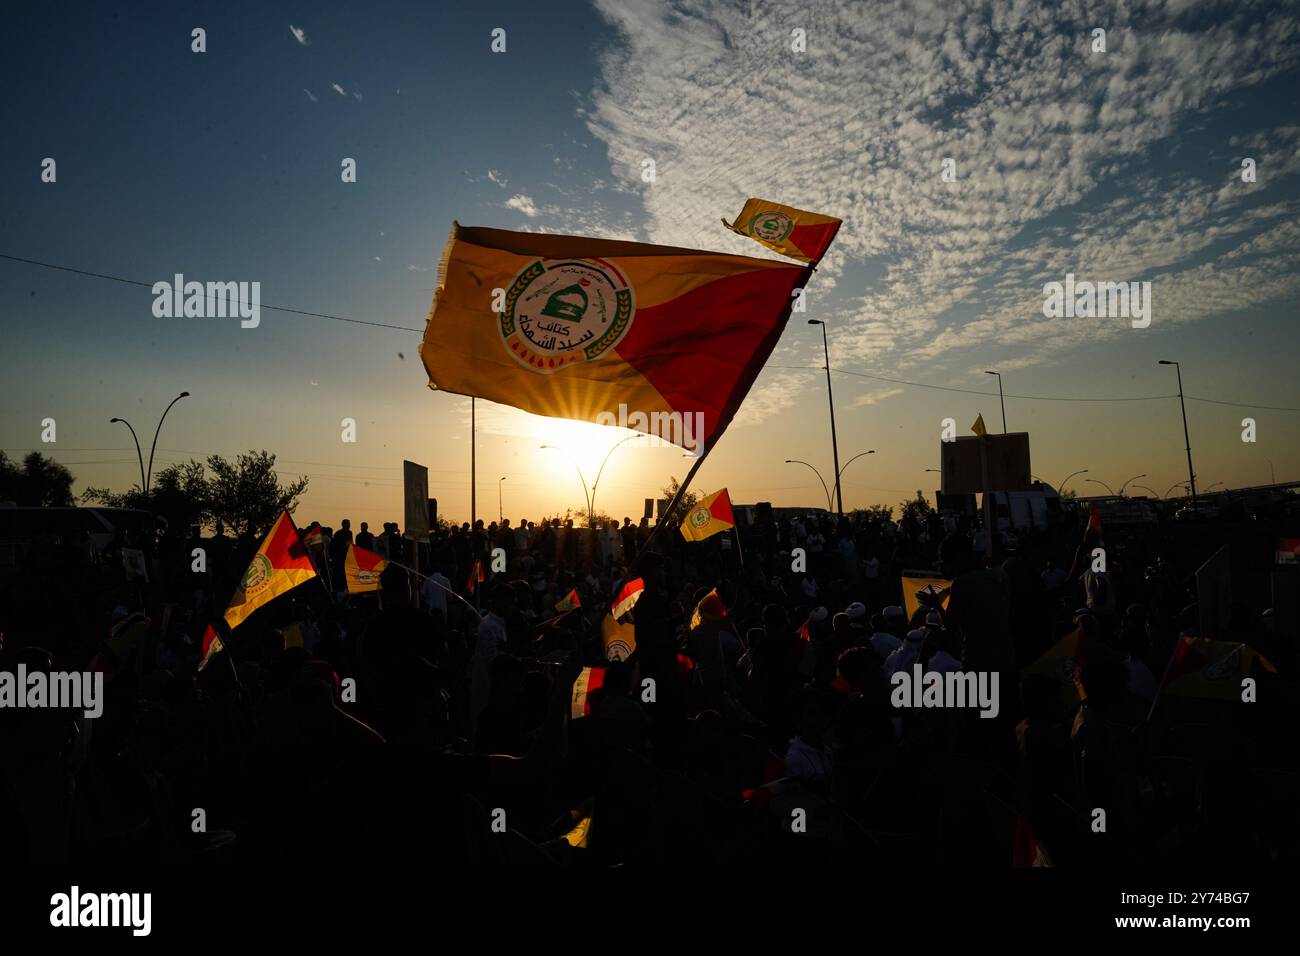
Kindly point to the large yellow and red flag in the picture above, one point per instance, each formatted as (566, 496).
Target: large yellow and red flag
(792, 232)
(281, 564)
(361, 570)
(654, 338)
(709, 516)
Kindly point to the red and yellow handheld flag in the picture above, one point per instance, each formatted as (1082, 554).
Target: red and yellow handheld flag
(709, 516)
(476, 576)
(792, 232)
(658, 339)
(281, 564)
(361, 569)
(1202, 667)
(710, 610)
(568, 602)
(1064, 662)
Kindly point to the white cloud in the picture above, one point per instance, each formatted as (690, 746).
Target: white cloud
(523, 204)
(338, 89)
(1042, 131)
(300, 35)
(498, 178)
(310, 96)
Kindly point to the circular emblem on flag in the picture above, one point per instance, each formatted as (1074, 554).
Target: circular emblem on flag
(701, 517)
(1225, 667)
(561, 312)
(771, 226)
(258, 575)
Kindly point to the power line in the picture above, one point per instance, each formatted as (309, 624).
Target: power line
(149, 285)
(867, 375)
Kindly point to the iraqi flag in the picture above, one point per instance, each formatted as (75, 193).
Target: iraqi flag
(792, 232)
(589, 680)
(212, 646)
(709, 516)
(361, 570)
(589, 325)
(280, 565)
(617, 639)
(1094, 522)
(628, 595)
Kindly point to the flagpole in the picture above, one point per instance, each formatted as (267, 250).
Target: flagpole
(473, 463)
(1164, 677)
(681, 490)
(440, 587)
(739, 550)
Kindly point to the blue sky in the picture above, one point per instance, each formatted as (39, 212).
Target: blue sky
(1120, 166)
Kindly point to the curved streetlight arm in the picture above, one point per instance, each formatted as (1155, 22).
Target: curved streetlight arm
(846, 468)
(154, 446)
(825, 490)
(1104, 485)
(1177, 484)
(1148, 488)
(1061, 487)
(137, 449)
(1126, 484)
(582, 478)
(601, 470)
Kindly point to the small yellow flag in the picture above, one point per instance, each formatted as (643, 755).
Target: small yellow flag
(978, 428)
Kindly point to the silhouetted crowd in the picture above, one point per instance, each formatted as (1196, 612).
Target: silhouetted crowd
(432, 723)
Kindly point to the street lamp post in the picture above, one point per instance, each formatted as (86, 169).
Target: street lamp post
(149, 476)
(500, 511)
(1001, 400)
(800, 461)
(1104, 485)
(1191, 474)
(1061, 487)
(846, 468)
(143, 481)
(835, 446)
(1148, 488)
(581, 477)
(1176, 484)
(601, 470)
(1126, 484)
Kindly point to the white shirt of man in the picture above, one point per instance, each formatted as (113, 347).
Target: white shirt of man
(433, 593)
(491, 643)
(943, 663)
(905, 656)
(805, 762)
(884, 644)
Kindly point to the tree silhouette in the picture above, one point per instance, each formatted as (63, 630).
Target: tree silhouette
(40, 483)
